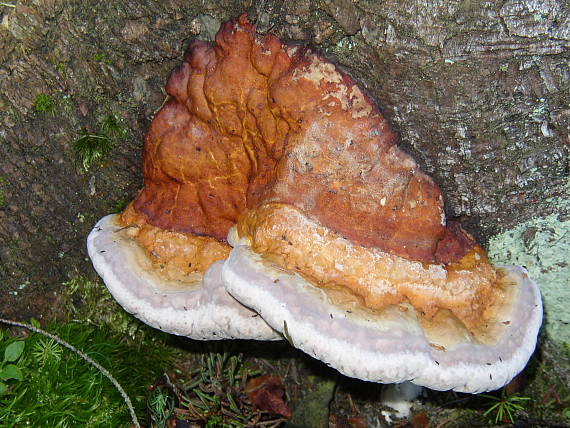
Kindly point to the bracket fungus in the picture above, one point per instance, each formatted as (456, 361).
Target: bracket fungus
(266, 155)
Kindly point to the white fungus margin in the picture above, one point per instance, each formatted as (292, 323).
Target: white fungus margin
(199, 309)
(392, 350)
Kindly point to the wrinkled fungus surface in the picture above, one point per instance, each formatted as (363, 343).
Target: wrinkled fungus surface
(253, 121)
(270, 175)
(274, 137)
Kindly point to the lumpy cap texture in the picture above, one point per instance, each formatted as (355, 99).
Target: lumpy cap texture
(252, 120)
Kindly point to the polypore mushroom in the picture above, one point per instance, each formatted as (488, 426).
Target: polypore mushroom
(340, 241)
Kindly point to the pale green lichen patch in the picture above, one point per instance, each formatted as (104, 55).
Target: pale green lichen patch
(542, 245)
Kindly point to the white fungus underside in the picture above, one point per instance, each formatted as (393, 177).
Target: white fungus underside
(199, 310)
(388, 350)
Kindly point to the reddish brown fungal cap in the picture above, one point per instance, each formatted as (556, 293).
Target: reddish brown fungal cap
(254, 121)
(454, 244)
(274, 138)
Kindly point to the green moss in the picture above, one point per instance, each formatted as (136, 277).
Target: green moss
(313, 410)
(58, 388)
(120, 206)
(93, 147)
(549, 389)
(113, 126)
(2, 196)
(65, 103)
(102, 58)
(60, 67)
(542, 246)
(90, 301)
(44, 104)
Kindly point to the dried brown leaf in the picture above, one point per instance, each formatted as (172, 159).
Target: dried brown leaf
(266, 393)
(420, 420)
(357, 422)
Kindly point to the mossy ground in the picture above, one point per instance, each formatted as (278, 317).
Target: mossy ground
(59, 389)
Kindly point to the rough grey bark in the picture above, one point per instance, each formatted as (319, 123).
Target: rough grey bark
(478, 91)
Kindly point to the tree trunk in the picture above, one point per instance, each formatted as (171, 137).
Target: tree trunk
(478, 91)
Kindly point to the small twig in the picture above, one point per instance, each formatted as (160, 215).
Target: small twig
(94, 363)
(352, 405)
(272, 423)
(97, 137)
(267, 364)
(127, 227)
(193, 411)
(7, 4)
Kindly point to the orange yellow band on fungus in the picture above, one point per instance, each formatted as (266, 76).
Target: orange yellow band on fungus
(294, 242)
